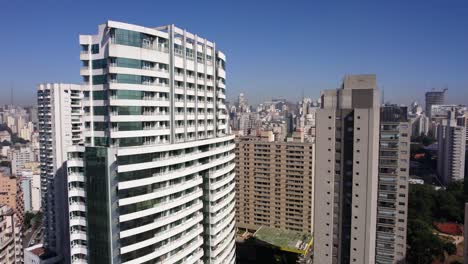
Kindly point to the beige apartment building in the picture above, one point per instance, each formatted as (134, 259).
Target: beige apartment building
(274, 183)
(11, 194)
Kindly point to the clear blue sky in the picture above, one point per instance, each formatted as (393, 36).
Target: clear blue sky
(274, 48)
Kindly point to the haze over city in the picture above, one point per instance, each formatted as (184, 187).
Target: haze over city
(300, 47)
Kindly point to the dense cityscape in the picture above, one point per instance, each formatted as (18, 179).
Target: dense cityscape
(149, 160)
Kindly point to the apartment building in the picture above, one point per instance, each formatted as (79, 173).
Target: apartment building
(60, 126)
(392, 208)
(11, 248)
(11, 194)
(346, 172)
(274, 183)
(154, 182)
(451, 139)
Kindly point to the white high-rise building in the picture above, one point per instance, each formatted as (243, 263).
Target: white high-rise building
(451, 141)
(392, 210)
(60, 121)
(346, 176)
(154, 182)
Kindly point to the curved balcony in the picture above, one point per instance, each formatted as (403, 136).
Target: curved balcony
(162, 206)
(163, 221)
(78, 235)
(222, 213)
(168, 247)
(223, 234)
(227, 256)
(164, 235)
(162, 192)
(77, 221)
(215, 229)
(227, 200)
(190, 254)
(76, 192)
(75, 162)
(76, 177)
(172, 174)
(230, 178)
(78, 249)
(227, 243)
(222, 193)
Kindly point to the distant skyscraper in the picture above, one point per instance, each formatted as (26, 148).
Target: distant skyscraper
(274, 183)
(155, 180)
(346, 175)
(393, 185)
(60, 125)
(451, 141)
(434, 98)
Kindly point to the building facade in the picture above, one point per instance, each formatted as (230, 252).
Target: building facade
(451, 140)
(394, 154)
(274, 183)
(154, 182)
(434, 98)
(11, 248)
(11, 195)
(346, 175)
(60, 125)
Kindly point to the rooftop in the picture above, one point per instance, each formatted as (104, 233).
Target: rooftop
(284, 239)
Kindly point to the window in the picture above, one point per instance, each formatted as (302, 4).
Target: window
(95, 48)
(99, 79)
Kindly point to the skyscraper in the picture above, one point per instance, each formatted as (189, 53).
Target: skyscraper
(346, 175)
(394, 153)
(434, 98)
(60, 124)
(451, 140)
(274, 183)
(155, 179)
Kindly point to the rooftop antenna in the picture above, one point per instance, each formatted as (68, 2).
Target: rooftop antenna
(11, 93)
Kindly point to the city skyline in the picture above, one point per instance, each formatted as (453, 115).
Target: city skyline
(308, 52)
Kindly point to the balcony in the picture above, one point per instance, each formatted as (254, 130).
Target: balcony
(164, 206)
(164, 220)
(168, 247)
(161, 192)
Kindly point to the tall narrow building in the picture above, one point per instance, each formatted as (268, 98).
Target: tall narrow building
(60, 124)
(154, 182)
(394, 154)
(451, 139)
(346, 175)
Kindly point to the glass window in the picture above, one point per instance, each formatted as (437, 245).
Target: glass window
(100, 126)
(101, 141)
(130, 126)
(100, 64)
(128, 63)
(100, 110)
(95, 48)
(128, 94)
(100, 79)
(127, 37)
(129, 78)
(100, 95)
(129, 142)
(129, 110)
